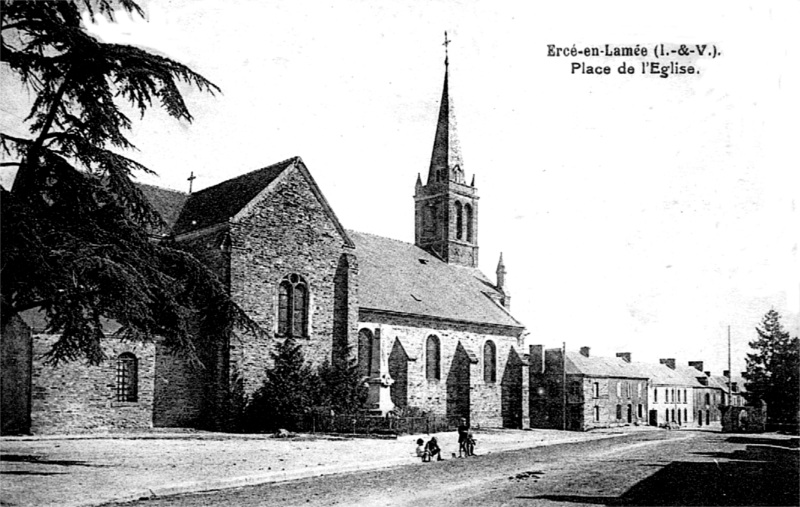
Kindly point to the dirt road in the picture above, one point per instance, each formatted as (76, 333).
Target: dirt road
(661, 468)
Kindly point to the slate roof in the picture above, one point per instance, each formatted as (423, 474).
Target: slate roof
(168, 203)
(217, 204)
(396, 276)
(661, 374)
(693, 373)
(718, 381)
(577, 364)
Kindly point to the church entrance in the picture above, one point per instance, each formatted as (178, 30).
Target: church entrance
(398, 370)
(458, 386)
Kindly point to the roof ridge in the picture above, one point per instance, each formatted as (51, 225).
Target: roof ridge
(160, 188)
(286, 162)
(379, 236)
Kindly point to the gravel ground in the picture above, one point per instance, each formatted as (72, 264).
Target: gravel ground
(90, 470)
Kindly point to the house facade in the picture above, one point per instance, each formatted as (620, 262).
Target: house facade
(707, 393)
(579, 392)
(670, 396)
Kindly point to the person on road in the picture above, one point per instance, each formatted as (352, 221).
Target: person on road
(463, 439)
(432, 448)
(422, 452)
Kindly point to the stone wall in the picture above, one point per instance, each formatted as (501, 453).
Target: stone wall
(74, 397)
(180, 388)
(16, 357)
(461, 390)
(287, 232)
(587, 406)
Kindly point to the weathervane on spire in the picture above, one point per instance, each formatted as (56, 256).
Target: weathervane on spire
(446, 43)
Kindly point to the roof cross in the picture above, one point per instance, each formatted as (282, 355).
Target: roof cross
(191, 179)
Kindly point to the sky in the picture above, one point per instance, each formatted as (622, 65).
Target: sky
(635, 213)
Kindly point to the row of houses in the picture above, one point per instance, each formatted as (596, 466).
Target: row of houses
(576, 391)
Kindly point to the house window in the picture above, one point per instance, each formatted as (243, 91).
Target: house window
(619, 393)
(293, 306)
(468, 213)
(459, 221)
(596, 390)
(639, 411)
(596, 414)
(684, 396)
(708, 399)
(655, 395)
(489, 362)
(673, 395)
(639, 389)
(127, 377)
(685, 416)
(628, 389)
(432, 358)
(619, 411)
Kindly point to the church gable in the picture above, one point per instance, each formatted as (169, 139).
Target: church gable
(288, 264)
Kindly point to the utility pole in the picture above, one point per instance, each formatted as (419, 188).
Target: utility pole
(564, 385)
(730, 400)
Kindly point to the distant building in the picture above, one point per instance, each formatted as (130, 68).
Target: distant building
(600, 391)
(708, 394)
(670, 396)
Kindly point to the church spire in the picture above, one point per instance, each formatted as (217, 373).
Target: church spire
(446, 163)
(446, 208)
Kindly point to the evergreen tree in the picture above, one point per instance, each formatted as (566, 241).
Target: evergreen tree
(342, 386)
(77, 232)
(773, 371)
(289, 390)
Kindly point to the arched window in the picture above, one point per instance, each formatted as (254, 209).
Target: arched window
(365, 352)
(489, 362)
(459, 221)
(432, 359)
(293, 306)
(127, 377)
(468, 213)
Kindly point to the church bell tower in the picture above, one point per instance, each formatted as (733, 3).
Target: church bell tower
(446, 207)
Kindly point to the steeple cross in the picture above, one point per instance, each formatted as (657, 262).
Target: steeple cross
(446, 43)
(191, 179)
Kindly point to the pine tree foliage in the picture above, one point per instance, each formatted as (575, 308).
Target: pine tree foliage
(293, 388)
(773, 371)
(77, 232)
(290, 388)
(342, 386)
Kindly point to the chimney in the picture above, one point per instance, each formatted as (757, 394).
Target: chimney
(537, 359)
(698, 365)
(669, 362)
(585, 351)
(625, 356)
(726, 373)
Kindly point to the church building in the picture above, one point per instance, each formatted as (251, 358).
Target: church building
(430, 331)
